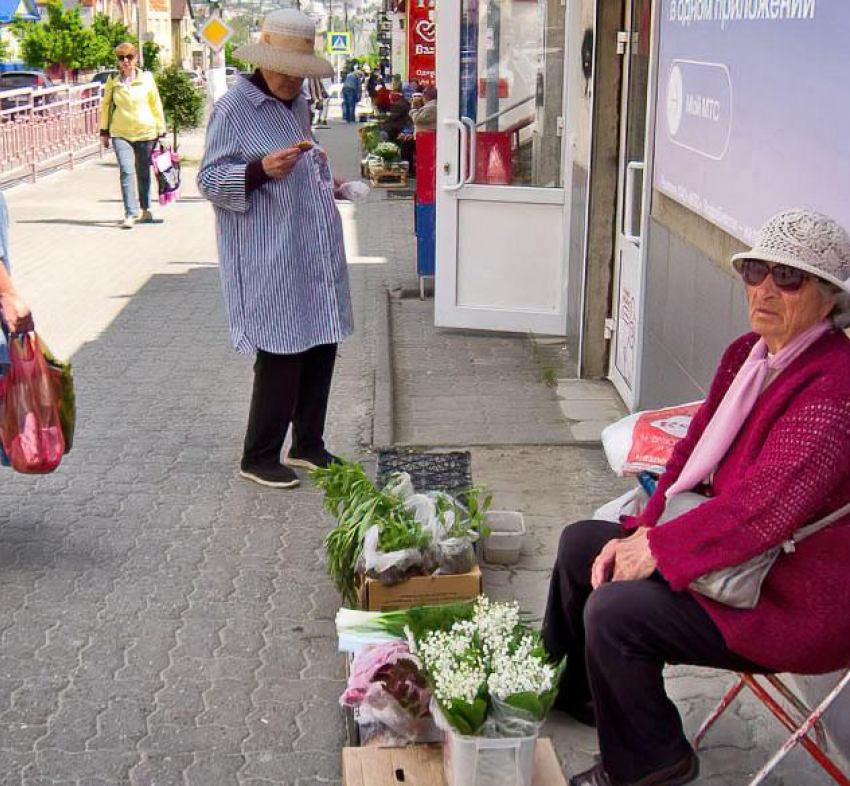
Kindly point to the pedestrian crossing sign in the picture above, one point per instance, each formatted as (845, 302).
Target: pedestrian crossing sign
(339, 43)
(216, 33)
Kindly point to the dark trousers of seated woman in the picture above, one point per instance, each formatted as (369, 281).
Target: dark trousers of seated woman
(617, 640)
(288, 389)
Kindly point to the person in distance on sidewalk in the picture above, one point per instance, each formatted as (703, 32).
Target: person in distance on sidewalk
(767, 454)
(280, 243)
(131, 116)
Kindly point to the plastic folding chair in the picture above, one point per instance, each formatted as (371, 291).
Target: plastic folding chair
(807, 720)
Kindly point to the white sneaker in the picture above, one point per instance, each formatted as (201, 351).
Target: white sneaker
(128, 223)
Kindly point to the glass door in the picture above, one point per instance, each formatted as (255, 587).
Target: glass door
(501, 209)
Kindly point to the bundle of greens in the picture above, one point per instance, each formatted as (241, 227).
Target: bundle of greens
(357, 629)
(467, 517)
(358, 506)
(460, 525)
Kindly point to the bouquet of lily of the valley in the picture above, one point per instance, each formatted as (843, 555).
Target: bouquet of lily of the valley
(489, 674)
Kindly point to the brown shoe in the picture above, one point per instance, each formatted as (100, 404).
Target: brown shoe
(683, 771)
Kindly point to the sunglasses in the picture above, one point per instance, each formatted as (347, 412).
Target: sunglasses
(786, 278)
(126, 57)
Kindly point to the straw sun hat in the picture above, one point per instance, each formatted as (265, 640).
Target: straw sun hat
(287, 45)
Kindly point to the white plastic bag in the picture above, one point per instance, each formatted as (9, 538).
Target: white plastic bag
(390, 567)
(354, 191)
(399, 485)
(631, 503)
(644, 441)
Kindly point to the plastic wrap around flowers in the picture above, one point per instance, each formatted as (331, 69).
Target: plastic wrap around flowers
(490, 674)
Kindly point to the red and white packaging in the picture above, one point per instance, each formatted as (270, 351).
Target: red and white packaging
(644, 441)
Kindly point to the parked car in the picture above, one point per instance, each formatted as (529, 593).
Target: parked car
(16, 80)
(231, 74)
(197, 77)
(103, 76)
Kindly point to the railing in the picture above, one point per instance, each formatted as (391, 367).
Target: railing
(45, 129)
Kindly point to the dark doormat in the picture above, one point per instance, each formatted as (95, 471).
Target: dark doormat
(449, 472)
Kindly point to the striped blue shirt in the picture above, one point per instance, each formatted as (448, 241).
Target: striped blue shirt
(281, 252)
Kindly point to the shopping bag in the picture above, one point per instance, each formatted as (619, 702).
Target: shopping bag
(30, 428)
(166, 166)
(67, 397)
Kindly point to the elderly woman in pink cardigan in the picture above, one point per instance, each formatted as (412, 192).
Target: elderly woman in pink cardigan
(770, 449)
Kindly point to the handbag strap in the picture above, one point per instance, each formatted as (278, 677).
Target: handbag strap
(811, 529)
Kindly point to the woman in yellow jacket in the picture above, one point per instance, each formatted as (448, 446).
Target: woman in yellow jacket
(131, 114)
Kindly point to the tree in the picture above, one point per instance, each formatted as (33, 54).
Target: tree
(230, 60)
(4, 49)
(150, 54)
(112, 34)
(182, 101)
(62, 40)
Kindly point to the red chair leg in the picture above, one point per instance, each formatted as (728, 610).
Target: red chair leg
(719, 710)
(798, 736)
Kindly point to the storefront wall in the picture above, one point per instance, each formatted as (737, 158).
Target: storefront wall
(730, 149)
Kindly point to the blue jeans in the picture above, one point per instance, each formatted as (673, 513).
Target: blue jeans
(349, 105)
(134, 162)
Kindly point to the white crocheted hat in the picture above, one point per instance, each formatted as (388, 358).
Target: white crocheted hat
(287, 45)
(807, 240)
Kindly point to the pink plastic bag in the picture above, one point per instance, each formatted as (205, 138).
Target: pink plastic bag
(30, 428)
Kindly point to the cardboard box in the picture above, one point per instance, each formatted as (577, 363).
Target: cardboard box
(422, 765)
(420, 591)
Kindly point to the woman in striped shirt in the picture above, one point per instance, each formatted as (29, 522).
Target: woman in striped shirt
(283, 265)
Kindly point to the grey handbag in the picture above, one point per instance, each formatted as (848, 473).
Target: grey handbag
(739, 586)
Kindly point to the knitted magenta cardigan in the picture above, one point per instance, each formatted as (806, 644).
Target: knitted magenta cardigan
(789, 466)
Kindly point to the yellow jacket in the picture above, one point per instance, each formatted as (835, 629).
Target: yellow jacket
(133, 113)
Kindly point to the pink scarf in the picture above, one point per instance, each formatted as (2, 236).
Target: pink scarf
(737, 404)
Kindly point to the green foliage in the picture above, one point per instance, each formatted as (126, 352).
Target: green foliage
(389, 151)
(400, 530)
(112, 34)
(469, 516)
(230, 60)
(353, 499)
(150, 54)
(4, 49)
(62, 40)
(466, 718)
(182, 101)
(371, 138)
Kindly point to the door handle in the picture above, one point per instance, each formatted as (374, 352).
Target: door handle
(451, 122)
(632, 168)
(472, 140)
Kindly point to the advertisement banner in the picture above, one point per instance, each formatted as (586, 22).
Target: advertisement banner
(422, 41)
(753, 109)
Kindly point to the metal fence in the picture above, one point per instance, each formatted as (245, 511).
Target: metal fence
(46, 129)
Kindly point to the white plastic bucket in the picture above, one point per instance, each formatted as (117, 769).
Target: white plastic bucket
(482, 761)
(504, 543)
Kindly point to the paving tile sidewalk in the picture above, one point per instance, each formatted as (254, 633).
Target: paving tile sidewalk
(161, 620)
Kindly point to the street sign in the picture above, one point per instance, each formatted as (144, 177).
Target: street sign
(216, 33)
(339, 43)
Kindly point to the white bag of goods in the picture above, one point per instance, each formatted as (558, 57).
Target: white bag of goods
(644, 441)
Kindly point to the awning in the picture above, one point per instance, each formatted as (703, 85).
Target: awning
(18, 9)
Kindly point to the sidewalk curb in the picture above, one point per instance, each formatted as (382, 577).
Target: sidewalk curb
(383, 410)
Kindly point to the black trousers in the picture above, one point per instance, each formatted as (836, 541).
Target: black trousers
(617, 640)
(288, 389)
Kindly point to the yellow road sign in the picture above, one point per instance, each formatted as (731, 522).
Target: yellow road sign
(339, 43)
(216, 33)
